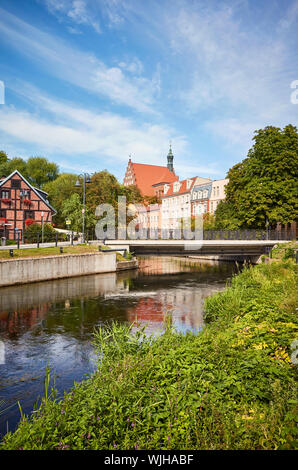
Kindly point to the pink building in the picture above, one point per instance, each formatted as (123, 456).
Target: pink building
(20, 205)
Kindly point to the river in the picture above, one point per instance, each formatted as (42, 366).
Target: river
(51, 323)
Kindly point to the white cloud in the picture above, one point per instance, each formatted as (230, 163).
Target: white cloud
(74, 10)
(229, 65)
(73, 131)
(80, 68)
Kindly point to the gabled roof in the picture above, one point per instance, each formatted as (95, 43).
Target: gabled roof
(182, 190)
(148, 175)
(37, 191)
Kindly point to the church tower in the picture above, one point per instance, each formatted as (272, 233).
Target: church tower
(170, 160)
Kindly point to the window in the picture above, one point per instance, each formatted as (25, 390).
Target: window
(2, 213)
(16, 184)
(199, 194)
(194, 195)
(205, 193)
(176, 187)
(214, 191)
(217, 190)
(5, 194)
(29, 215)
(25, 193)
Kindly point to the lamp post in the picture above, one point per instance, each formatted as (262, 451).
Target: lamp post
(86, 179)
(42, 226)
(23, 193)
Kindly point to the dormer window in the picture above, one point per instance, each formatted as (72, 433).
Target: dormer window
(188, 184)
(194, 196)
(176, 187)
(166, 188)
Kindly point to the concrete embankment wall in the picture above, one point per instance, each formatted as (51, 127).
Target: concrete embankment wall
(24, 270)
(124, 265)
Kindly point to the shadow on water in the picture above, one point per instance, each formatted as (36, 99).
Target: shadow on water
(52, 322)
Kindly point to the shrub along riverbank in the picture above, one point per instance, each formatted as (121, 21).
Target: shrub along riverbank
(231, 386)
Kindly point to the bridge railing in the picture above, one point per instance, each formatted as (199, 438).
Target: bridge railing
(176, 234)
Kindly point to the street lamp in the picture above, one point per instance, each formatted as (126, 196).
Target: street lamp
(23, 194)
(86, 179)
(42, 226)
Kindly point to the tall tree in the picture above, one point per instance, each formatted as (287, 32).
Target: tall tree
(59, 191)
(226, 217)
(41, 171)
(3, 157)
(263, 187)
(12, 164)
(72, 210)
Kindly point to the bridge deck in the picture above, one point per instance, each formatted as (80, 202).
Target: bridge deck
(204, 247)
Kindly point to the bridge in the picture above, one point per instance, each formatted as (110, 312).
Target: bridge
(220, 249)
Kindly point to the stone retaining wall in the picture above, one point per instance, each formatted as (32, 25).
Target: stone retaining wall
(24, 270)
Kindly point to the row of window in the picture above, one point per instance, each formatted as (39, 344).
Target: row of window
(180, 199)
(5, 193)
(200, 194)
(27, 214)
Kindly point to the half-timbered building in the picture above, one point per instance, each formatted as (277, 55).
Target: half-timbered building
(21, 204)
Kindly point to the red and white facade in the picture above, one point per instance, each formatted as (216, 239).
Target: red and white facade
(20, 205)
(176, 203)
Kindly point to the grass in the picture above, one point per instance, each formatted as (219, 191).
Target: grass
(231, 386)
(51, 251)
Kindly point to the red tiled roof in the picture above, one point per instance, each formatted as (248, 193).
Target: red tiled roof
(147, 175)
(183, 189)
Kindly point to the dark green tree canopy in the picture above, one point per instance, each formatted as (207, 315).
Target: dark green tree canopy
(37, 170)
(264, 185)
(41, 171)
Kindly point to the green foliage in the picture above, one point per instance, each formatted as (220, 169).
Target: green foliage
(289, 253)
(59, 191)
(72, 210)
(3, 157)
(103, 189)
(37, 170)
(41, 171)
(264, 185)
(36, 228)
(225, 217)
(231, 386)
(208, 221)
(13, 164)
(49, 233)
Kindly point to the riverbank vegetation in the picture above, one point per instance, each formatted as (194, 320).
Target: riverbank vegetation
(231, 386)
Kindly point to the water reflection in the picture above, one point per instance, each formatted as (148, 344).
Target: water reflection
(52, 322)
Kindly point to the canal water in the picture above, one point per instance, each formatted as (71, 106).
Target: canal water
(51, 323)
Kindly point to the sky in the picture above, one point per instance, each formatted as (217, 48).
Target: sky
(87, 83)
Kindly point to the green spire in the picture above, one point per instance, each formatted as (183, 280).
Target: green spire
(170, 159)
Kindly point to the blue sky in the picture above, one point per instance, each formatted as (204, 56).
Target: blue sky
(89, 82)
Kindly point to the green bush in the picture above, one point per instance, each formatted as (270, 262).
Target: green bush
(289, 253)
(49, 233)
